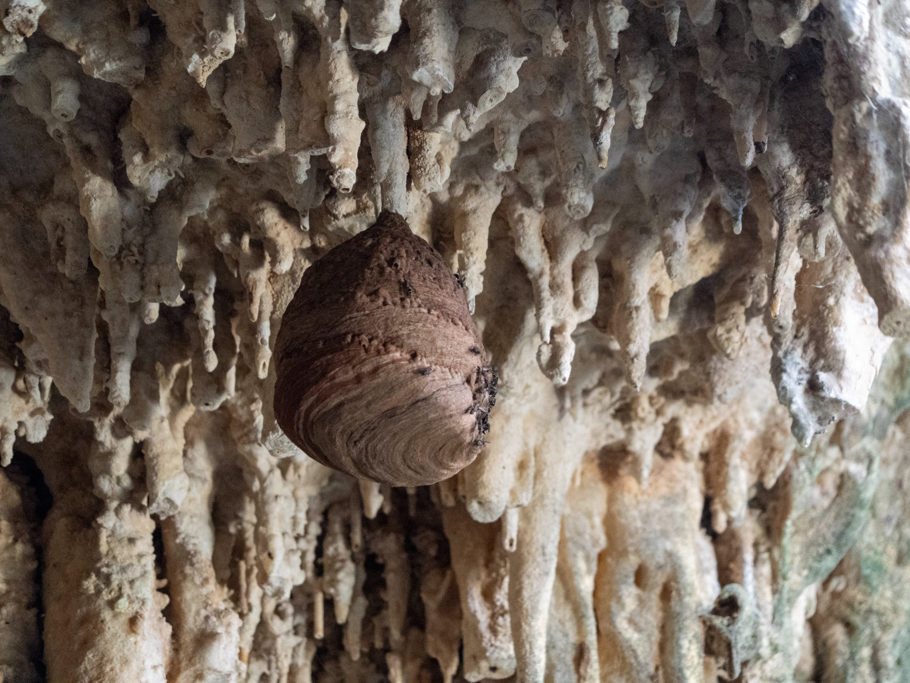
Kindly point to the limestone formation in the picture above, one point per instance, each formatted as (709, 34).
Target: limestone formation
(682, 232)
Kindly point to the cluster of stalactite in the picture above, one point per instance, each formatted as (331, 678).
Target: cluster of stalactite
(683, 230)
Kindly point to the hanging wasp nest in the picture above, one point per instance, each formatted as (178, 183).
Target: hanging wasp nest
(683, 230)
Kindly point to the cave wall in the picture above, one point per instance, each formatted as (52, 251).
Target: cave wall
(683, 230)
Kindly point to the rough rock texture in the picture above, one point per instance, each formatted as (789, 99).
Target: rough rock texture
(683, 230)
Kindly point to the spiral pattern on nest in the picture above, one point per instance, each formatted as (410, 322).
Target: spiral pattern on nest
(381, 372)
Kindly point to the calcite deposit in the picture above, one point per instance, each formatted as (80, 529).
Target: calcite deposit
(683, 232)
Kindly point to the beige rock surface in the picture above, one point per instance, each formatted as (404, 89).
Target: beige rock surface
(682, 230)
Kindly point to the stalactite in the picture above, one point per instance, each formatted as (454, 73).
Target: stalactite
(682, 232)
